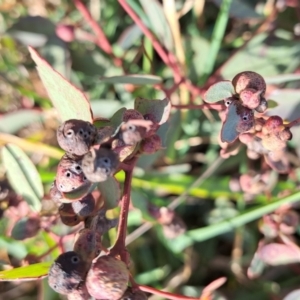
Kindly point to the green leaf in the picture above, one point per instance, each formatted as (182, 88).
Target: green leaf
(158, 22)
(282, 78)
(140, 202)
(205, 233)
(217, 37)
(160, 109)
(135, 79)
(14, 248)
(219, 91)
(78, 193)
(22, 175)
(14, 121)
(70, 102)
(110, 192)
(272, 104)
(31, 272)
(265, 56)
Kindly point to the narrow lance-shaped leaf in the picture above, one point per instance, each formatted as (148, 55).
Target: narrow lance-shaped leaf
(70, 102)
(22, 175)
(133, 79)
(31, 272)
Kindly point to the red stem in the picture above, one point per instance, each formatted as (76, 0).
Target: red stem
(218, 107)
(119, 247)
(102, 42)
(163, 294)
(168, 58)
(293, 123)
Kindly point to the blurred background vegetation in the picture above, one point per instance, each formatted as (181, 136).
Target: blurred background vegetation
(209, 44)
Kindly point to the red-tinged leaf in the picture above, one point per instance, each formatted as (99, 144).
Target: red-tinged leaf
(160, 109)
(275, 254)
(219, 91)
(31, 272)
(294, 295)
(70, 102)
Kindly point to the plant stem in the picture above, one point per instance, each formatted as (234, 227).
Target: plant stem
(167, 58)
(293, 123)
(217, 107)
(119, 247)
(102, 42)
(163, 294)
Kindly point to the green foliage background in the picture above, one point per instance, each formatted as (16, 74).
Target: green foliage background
(218, 42)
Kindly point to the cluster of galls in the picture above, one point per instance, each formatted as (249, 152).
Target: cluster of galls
(263, 136)
(80, 166)
(269, 138)
(250, 88)
(93, 155)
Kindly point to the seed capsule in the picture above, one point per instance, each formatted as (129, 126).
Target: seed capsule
(99, 164)
(107, 278)
(76, 136)
(66, 273)
(69, 174)
(85, 206)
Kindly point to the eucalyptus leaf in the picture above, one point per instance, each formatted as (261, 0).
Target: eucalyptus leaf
(110, 192)
(159, 109)
(219, 91)
(70, 102)
(22, 175)
(26, 273)
(135, 79)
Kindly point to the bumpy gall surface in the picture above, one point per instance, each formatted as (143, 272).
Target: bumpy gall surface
(246, 118)
(107, 278)
(68, 216)
(66, 273)
(104, 134)
(132, 114)
(151, 144)
(274, 123)
(80, 293)
(54, 193)
(285, 134)
(69, 174)
(99, 164)
(262, 107)
(131, 134)
(130, 294)
(249, 80)
(87, 244)
(85, 206)
(76, 136)
(250, 98)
